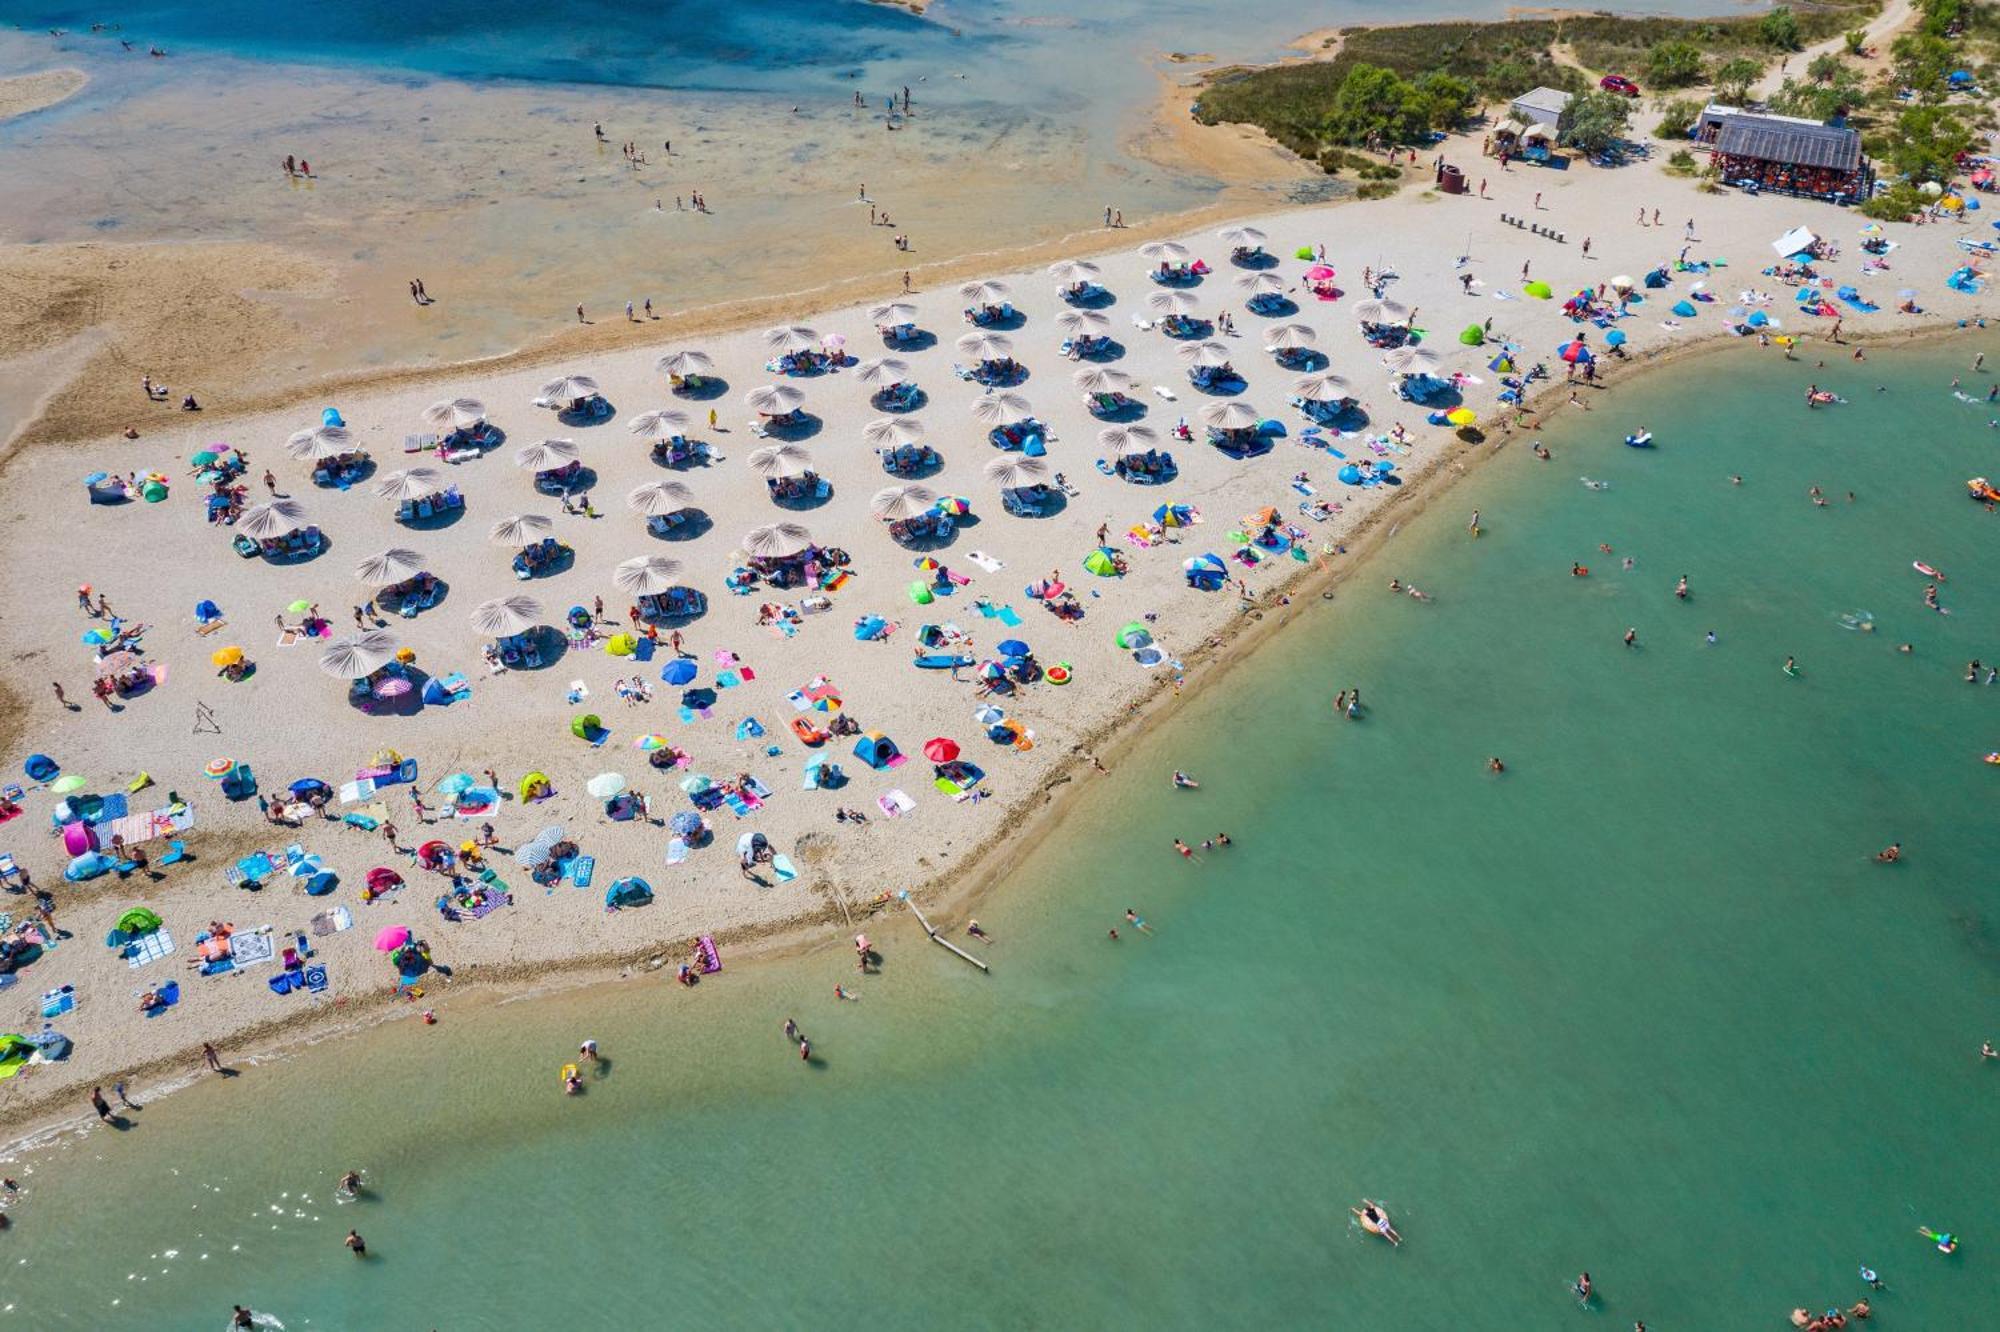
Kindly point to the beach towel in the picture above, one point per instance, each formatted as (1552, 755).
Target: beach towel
(493, 903)
(59, 1001)
(248, 949)
(168, 995)
(985, 561)
(729, 679)
(333, 922)
(711, 960)
(148, 948)
(895, 803)
(315, 979)
(581, 870)
(677, 850)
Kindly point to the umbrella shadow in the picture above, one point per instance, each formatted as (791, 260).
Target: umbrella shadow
(915, 402)
(1111, 350)
(811, 499)
(933, 540)
(1097, 300)
(711, 386)
(921, 340)
(593, 414)
(1305, 362)
(1275, 307)
(361, 472)
(564, 560)
(930, 466)
(576, 483)
(1221, 388)
(1131, 410)
(802, 425)
(694, 523)
(1259, 260)
(437, 522)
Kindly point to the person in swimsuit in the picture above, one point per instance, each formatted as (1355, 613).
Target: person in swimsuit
(1889, 854)
(350, 1184)
(356, 1243)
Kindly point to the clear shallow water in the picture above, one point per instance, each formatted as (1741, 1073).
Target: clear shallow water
(1644, 1005)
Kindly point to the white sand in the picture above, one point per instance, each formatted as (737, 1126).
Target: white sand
(291, 720)
(22, 93)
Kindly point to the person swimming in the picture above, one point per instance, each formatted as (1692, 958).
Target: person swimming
(1582, 1287)
(1889, 854)
(350, 1184)
(1946, 1241)
(1184, 782)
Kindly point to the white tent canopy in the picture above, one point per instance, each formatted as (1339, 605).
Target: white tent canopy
(1798, 238)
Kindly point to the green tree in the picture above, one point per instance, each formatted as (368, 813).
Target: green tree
(1596, 120)
(1373, 104)
(1732, 79)
(1825, 67)
(1779, 28)
(1857, 40)
(1925, 142)
(1674, 64)
(1922, 61)
(1439, 101)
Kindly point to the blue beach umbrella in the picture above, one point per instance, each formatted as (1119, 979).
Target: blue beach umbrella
(1684, 309)
(685, 824)
(1616, 337)
(679, 671)
(1012, 647)
(456, 783)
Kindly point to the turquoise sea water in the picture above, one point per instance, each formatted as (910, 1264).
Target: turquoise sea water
(1643, 1005)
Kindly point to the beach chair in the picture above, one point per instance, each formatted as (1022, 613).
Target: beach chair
(9, 871)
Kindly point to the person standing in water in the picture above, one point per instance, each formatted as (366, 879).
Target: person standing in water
(355, 1243)
(1681, 588)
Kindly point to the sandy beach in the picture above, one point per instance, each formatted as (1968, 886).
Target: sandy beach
(289, 720)
(22, 93)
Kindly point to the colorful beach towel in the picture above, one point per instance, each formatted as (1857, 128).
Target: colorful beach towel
(711, 960)
(148, 948)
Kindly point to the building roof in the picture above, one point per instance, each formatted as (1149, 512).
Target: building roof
(1551, 100)
(1770, 139)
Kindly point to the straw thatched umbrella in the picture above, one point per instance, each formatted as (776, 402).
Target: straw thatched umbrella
(455, 414)
(264, 521)
(1166, 252)
(985, 346)
(413, 483)
(646, 576)
(1242, 238)
(1291, 337)
(890, 432)
(1260, 284)
(1231, 415)
(656, 499)
(507, 615)
(1013, 472)
(391, 566)
(1321, 388)
(1084, 323)
(1380, 312)
(547, 455)
(568, 389)
(1410, 360)
(777, 541)
(1070, 272)
(1210, 354)
(1127, 440)
(1102, 379)
(520, 529)
(774, 399)
(992, 291)
(894, 314)
(684, 362)
(352, 657)
(883, 370)
(774, 461)
(664, 424)
(896, 503)
(998, 409)
(791, 338)
(1171, 303)
(320, 442)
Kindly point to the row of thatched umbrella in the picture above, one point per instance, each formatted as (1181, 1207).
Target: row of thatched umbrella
(320, 443)
(264, 522)
(548, 454)
(774, 399)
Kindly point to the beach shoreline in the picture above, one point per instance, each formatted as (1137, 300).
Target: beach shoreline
(951, 896)
(23, 94)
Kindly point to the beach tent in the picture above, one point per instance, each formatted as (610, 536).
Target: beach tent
(1684, 309)
(1472, 335)
(531, 783)
(627, 892)
(1173, 515)
(15, 1052)
(1134, 635)
(586, 726)
(1796, 241)
(138, 921)
(1206, 573)
(878, 751)
(1099, 562)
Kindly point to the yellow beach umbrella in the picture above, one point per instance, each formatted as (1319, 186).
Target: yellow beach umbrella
(1461, 416)
(229, 656)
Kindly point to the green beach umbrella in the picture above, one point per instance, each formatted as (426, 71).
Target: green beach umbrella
(204, 458)
(64, 785)
(1539, 290)
(1134, 635)
(1473, 335)
(300, 607)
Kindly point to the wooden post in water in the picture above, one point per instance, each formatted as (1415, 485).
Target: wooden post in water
(937, 938)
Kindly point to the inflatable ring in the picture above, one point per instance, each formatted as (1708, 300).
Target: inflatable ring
(568, 1072)
(1057, 674)
(1581, 571)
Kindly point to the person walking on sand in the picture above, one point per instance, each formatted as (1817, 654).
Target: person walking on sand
(210, 1058)
(270, 481)
(100, 1105)
(63, 698)
(579, 314)
(389, 835)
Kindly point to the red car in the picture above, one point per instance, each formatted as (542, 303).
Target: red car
(1618, 83)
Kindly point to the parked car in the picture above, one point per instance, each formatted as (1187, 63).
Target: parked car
(1619, 84)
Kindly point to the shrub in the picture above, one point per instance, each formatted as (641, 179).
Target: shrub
(1779, 28)
(1674, 64)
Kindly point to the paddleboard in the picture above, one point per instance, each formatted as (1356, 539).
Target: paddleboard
(782, 866)
(1926, 570)
(942, 661)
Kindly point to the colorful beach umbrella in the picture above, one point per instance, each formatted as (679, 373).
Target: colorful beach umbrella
(217, 768)
(679, 671)
(649, 743)
(226, 657)
(938, 749)
(392, 938)
(1461, 416)
(392, 686)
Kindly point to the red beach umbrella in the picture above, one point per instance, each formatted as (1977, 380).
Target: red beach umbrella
(940, 750)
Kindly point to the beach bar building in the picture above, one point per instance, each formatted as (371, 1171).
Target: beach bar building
(1542, 106)
(1792, 156)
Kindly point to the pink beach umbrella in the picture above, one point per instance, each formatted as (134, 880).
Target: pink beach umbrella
(1319, 273)
(389, 940)
(393, 686)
